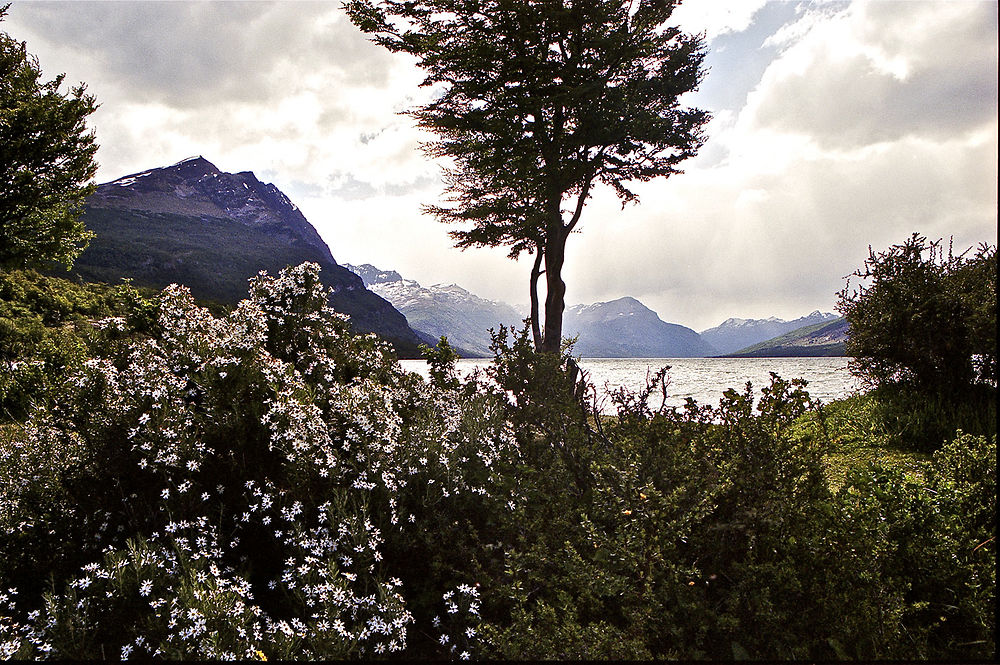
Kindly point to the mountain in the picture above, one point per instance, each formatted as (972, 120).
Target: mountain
(735, 334)
(442, 310)
(819, 339)
(211, 231)
(371, 275)
(625, 328)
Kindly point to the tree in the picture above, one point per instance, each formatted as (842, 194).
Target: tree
(46, 161)
(926, 320)
(540, 101)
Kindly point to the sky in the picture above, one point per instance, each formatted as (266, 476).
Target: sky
(836, 126)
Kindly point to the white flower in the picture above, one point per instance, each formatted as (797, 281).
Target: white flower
(146, 587)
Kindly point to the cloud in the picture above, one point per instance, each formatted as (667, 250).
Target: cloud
(287, 87)
(731, 242)
(192, 54)
(717, 17)
(881, 71)
(853, 136)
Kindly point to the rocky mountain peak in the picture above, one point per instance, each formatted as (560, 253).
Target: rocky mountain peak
(372, 275)
(193, 224)
(196, 187)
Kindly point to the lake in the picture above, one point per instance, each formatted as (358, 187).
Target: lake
(704, 379)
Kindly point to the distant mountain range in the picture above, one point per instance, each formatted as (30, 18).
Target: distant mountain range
(733, 335)
(622, 328)
(819, 339)
(625, 328)
(442, 310)
(193, 224)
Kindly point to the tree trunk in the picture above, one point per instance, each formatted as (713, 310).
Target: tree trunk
(536, 271)
(555, 289)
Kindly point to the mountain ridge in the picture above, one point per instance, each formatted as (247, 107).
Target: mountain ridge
(735, 334)
(464, 318)
(212, 231)
(626, 328)
(442, 310)
(826, 338)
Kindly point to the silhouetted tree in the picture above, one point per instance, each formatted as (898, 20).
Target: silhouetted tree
(539, 102)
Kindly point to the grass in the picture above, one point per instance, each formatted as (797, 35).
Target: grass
(857, 437)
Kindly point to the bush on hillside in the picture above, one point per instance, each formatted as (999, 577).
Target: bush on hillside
(46, 330)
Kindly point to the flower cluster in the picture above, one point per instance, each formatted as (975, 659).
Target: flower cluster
(231, 480)
(458, 622)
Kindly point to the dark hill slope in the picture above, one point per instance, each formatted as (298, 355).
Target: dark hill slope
(819, 339)
(211, 231)
(734, 335)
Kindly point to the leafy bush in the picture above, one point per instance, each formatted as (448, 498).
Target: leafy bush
(923, 335)
(46, 329)
(931, 547)
(225, 487)
(269, 485)
(926, 320)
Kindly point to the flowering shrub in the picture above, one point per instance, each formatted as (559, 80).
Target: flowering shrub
(267, 484)
(222, 489)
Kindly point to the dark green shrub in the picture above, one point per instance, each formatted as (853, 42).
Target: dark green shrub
(931, 553)
(925, 320)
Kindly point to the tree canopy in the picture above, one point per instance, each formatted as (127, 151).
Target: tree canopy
(538, 103)
(46, 161)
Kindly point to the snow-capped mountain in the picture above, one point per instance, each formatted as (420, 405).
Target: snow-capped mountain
(736, 334)
(625, 328)
(441, 310)
(372, 275)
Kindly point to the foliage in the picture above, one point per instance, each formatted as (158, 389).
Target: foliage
(46, 161)
(46, 328)
(253, 465)
(923, 336)
(932, 546)
(267, 484)
(537, 104)
(926, 321)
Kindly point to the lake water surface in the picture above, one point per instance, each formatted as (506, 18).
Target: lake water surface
(704, 379)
